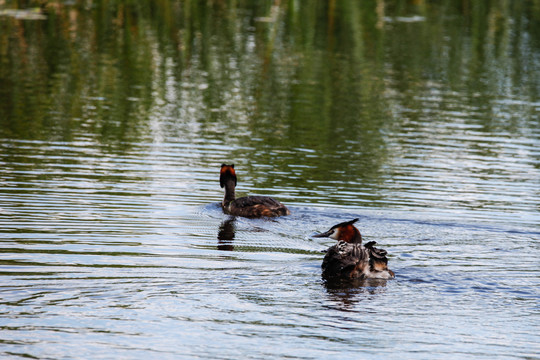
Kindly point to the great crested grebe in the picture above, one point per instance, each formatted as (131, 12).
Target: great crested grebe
(350, 259)
(248, 206)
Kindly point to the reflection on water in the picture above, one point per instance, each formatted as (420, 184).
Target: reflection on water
(345, 294)
(226, 234)
(420, 118)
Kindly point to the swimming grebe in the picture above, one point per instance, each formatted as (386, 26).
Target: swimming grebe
(352, 260)
(249, 206)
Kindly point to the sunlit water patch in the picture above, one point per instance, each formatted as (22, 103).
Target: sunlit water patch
(162, 280)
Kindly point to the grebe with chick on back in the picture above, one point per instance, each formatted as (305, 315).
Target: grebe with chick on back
(350, 259)
(248, 206)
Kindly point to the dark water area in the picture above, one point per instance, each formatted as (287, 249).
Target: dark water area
(420, 118)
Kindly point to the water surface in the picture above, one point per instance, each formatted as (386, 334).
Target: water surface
(418, 118)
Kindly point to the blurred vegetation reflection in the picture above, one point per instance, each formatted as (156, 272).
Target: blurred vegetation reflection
(266, 77)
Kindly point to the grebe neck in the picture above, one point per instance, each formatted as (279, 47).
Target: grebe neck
(229, 192)
(357, 238)
(349, 234)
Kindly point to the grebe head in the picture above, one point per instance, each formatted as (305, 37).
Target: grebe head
(344, 231)
(227, 172)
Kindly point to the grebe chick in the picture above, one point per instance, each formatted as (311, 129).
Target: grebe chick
(248, 206)
(350, 259)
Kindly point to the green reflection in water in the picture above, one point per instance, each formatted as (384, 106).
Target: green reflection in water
(326, 86)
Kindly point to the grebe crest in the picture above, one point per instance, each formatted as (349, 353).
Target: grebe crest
(249, 206)
(350, 259)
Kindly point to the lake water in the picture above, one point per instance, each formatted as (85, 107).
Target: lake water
(419, 118)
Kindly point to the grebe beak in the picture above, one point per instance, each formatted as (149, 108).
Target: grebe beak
(324, 234)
